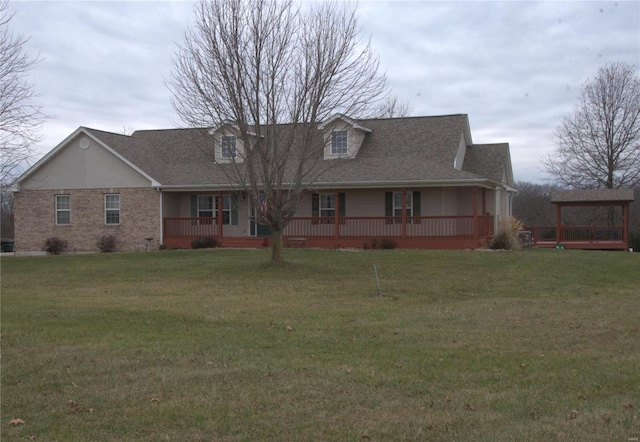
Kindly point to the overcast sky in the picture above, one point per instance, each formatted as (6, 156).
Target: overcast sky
(514, 67)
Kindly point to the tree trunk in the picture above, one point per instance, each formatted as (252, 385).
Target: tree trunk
(276, 247)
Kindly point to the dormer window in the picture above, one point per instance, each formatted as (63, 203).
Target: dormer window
(228, 145)
(339, 145)
(342, 137)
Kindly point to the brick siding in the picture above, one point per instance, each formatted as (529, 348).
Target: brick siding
(35, 219)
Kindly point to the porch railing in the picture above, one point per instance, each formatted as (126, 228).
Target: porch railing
(349, 227)
(190, 227)
(417, 226)
(547, 234)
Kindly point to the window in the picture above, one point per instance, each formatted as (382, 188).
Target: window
(397, 204)
(112, 208)
(339, 142)
(205, 206)
(228, 144)
(393, 207)
(229, 210)
(63, 210)
(327, 205)
(323, 205)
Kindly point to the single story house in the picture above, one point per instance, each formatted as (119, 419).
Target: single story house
(419, 181)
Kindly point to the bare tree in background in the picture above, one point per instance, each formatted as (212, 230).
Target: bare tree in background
(599, 145)
(271, 71)
(393, 107)
(20, 119)
(532, 204)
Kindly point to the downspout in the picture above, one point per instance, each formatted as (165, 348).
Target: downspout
(161, 217)
(496, 218)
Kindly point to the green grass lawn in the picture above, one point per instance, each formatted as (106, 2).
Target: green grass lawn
(532, 345)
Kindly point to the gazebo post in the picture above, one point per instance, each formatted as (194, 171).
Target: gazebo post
(558, 221)
(625, 224)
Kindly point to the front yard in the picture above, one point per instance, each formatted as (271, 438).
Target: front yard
(218, 345)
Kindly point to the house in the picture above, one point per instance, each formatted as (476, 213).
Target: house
(420, 181)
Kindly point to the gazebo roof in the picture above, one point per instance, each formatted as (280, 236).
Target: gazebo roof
(604, 196)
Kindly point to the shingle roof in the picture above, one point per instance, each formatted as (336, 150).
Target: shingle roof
(592, 196)
(489, 160)
(397, 150)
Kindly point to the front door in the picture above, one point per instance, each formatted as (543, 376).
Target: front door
(255, 228)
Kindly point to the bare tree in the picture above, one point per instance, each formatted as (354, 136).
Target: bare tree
(598, 146)
(270, 72)
(393, 107)
(20, 119)
(532, 204)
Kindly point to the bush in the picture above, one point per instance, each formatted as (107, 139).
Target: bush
(634, 241)
(107, 243)
(379, 243)
(55, 245)
(203, 243)
(507, 236)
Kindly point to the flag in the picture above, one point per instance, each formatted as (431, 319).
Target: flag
(263, 203)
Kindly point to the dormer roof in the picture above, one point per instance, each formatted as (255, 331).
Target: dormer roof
(335, 117)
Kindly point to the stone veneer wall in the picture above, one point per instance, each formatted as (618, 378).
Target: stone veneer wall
(35, 219)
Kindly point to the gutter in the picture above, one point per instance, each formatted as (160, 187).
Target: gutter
(349, 185)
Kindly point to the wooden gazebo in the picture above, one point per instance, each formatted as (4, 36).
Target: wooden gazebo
(592, 237)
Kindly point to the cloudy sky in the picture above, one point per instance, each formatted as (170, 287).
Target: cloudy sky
(514, 67)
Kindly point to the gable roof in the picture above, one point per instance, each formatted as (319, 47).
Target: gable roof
(491, 161)
(105, 139)
(395, 151)
(592, 196)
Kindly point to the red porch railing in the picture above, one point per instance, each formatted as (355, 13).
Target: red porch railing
(190, 227)
(178, 232)
(578, 236)
(417, 226)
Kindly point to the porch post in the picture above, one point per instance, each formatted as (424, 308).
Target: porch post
(625, 224)
(485, 215)
(476, 227)
(484, 201)
(219, 214)
(558, 221)
(336, 214)
(404, 213)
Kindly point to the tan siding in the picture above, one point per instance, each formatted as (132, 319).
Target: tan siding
(304, 206)
(491, 202)
(365, 203)
(76, 168)
(450, 201)
(431, 202)
(171, 205)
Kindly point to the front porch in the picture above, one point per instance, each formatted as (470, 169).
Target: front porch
(416, 232)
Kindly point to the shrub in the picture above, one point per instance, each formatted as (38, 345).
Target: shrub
(55, 245)
(203, 243)
(388, 244)
(507, 236)
(379, 243)
(107, 243)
